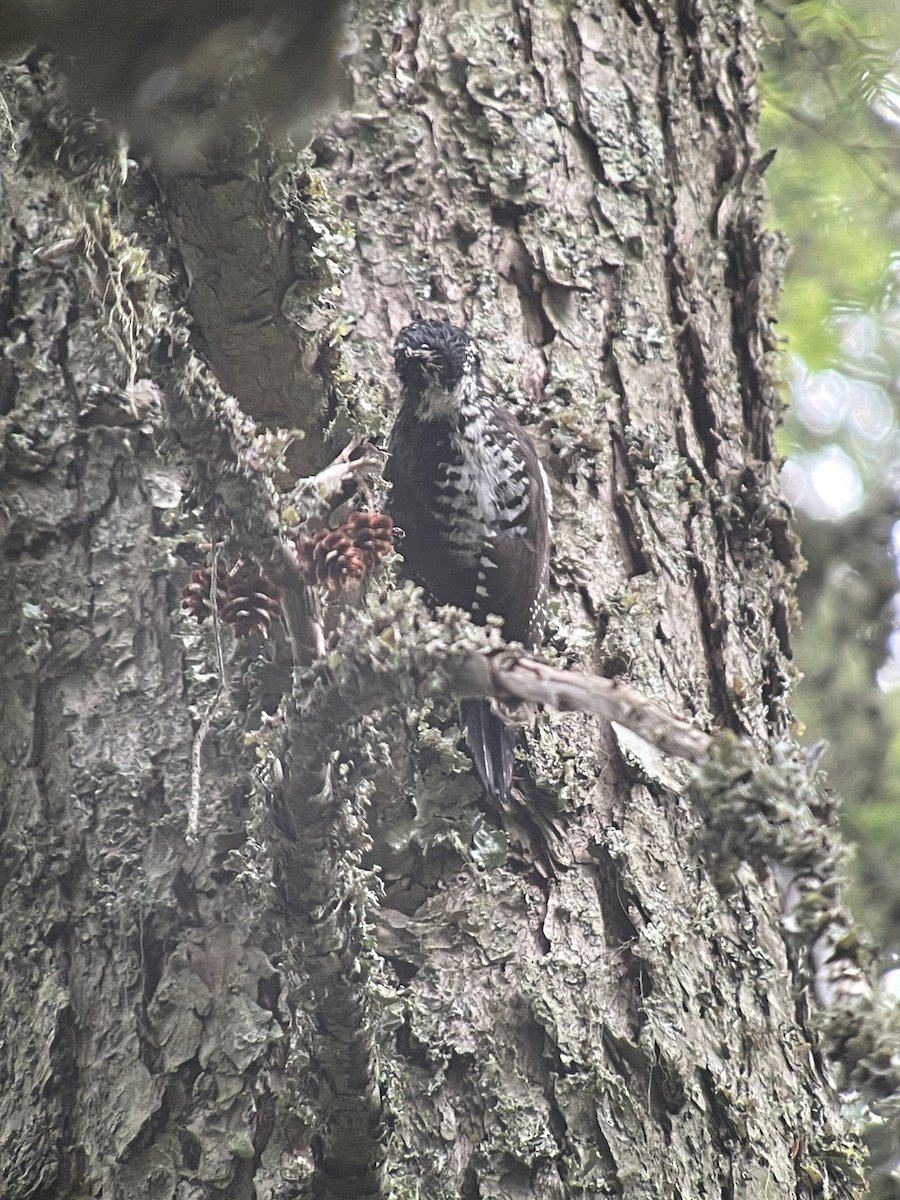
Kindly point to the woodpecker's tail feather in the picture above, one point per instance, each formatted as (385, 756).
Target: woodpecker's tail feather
(490, 742)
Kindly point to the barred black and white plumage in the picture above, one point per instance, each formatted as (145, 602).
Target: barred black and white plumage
(471, 496)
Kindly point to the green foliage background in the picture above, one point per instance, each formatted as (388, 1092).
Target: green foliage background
(832, 111)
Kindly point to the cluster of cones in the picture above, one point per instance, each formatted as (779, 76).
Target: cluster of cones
(244, 599)
(339, 557)
(249, 602)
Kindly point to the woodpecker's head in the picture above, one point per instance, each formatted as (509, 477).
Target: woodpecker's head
(438, 366)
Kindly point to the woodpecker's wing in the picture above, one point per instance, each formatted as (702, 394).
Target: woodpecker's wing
(516, 582)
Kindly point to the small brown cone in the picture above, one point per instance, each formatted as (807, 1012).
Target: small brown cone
(330, 558)
(252, 605)
(372, 534)
(246, 601)
(196, 599)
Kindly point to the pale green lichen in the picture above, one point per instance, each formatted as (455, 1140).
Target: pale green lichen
(574, 423)
(756, 811)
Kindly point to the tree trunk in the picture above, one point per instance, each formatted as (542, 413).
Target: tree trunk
(270, 956)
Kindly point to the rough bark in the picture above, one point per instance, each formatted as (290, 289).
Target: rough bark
(577, 185)
(355, 980)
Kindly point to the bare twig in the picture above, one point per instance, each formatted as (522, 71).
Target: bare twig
(400, 655)
(510, 675)
(316, 496)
